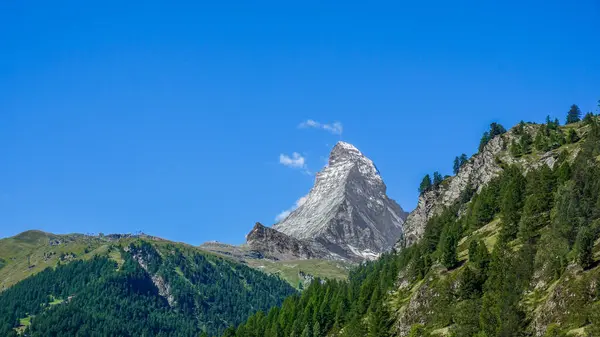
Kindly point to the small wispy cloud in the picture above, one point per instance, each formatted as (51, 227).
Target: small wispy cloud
(284, 214)
(335, 128)
(296, 160)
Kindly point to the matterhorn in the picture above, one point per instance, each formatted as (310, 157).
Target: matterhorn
(347, 214)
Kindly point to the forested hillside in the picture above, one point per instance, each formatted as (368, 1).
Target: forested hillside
(139, 288)
(514, 257)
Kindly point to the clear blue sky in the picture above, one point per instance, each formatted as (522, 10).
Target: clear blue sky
(171, 118)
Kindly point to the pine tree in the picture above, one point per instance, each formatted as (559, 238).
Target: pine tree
(496, 129)
(525, 143)
(484, 140)
(583, 247)
(306, 332)
(511, 200)
(317, 330)
(465, 317)
(574, 114)
(500, 313)
(437, 178)
(479, 256)
(448, 245)
(541, 141)
(456, 165)
(520, 128)
(572, 136)
(470, 284)
(515, 149)
(379, 323)
(563, 173)
(473, 245)
(355, 328)
(588, 118)
(425, 184)
(463, 159)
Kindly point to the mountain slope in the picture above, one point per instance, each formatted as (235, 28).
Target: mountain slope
(513, 254)
(477, 172)
(33, 251)
(347, 211)
(133, 286)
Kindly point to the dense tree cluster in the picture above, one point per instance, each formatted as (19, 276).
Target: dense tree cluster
(99, 298)
(357, 306)
(459, 161)
(427, 183)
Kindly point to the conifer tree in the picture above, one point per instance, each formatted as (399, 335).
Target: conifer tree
(463, 159)
(317, 330)
(470, 285)
(583, 247)
(496, 129)
(511, 200)
(574, 114)
(572, 136)
(379, 323)
(456, 165)
(448, 245)
(515, 149)
(484, 140)
(437, 178)
(465, 317)
(541, 141)
(525, 143)
(425, 184)
(500, 314)
(306, 332)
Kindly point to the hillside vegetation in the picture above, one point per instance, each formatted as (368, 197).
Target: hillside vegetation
(137, 287)
(517, 256)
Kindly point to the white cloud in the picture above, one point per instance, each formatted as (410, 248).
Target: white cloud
(335, 128)
(294, 161)
(284, 214)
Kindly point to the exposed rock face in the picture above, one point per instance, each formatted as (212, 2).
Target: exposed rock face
(477, 172)
(347, 211)
(277, 245)
(164, 289)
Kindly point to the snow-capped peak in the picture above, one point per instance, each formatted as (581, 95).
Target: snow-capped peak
(347, 207)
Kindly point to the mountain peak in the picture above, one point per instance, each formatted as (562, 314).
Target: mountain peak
(347, 210)
(343, 151)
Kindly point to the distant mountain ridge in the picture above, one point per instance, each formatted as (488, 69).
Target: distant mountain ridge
(125, 285)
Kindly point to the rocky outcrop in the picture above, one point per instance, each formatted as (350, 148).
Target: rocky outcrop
(479, 170)
(164, 289)
(347, 211)
(273, 244)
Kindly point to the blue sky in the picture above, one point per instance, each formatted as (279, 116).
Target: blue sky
(173, 118)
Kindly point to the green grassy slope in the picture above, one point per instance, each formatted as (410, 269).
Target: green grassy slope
(32, 251)
(108, 283)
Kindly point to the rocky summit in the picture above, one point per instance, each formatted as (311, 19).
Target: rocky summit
(347, 214)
